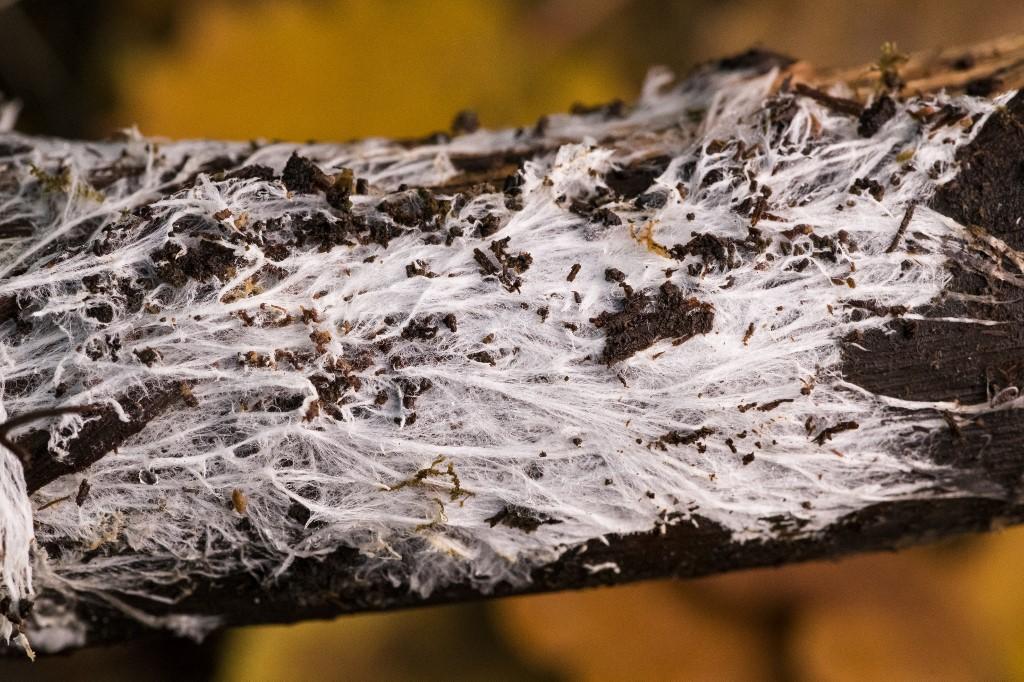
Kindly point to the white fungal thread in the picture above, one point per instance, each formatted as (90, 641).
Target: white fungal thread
(605, 566)
(322, 381)
(15, 536)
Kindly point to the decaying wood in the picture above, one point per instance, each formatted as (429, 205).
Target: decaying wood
(929, 358)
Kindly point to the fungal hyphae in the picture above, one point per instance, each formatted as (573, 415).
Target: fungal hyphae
(459, 366)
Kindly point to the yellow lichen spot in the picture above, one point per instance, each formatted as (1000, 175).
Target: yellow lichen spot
(52, 182)
(420, 479)
(239, 501)
(62, 182)
(83, 190)
(244, 290)
(905, 156)
(645, 236)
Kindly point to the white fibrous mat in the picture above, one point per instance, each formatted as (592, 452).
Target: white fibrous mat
(392, 348)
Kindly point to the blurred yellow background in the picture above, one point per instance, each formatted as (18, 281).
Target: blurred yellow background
(340, 70)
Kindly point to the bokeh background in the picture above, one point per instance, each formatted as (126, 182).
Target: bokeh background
(353, 68)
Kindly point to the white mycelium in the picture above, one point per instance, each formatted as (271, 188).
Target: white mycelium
(298, 437)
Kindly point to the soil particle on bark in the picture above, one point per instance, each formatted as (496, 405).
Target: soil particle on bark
(302, 176)
(521, 518)
(423, 328)
(509, 265)
(176, 265)
(483, 357)
(519, 262)
(827, 433)
(488, 225)
(614, 275)
(413, 207)
(648, 317)
(652, 199)
(715, 253)
(677, 437)
(418, 268)
(747, 335)
(148, 356)
(83, 492)
(630, 181)
(769, 406)
(872, 187)
(908, 215)
(876, 116)
(323, 230)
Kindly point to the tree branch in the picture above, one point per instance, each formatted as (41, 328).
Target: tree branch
(762, 316)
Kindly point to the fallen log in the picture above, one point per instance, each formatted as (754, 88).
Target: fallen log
(760, 316)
